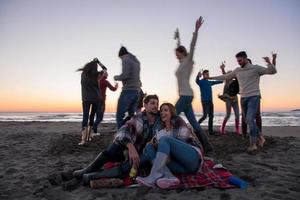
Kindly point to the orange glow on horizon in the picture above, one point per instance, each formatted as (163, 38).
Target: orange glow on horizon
(111, 106)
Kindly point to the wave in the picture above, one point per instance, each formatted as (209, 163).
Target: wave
(269, 118)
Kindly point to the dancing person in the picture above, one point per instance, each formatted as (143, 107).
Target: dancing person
(103, 85)
(229, 96)
(183, 74)
(130, 78)
(90, 97)
(258, 119)
(205, 86)
(132, 136)
(248, 76)
(177, 151)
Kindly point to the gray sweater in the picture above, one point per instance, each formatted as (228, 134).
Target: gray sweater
(130, 75)
(184, 70)
(248, 78)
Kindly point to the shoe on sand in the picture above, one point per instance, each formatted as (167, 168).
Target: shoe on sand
(166, 183)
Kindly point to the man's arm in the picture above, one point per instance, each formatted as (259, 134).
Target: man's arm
(125, 71)
(274, 57)
(134, 157)
(224, 76)
(222, 67)
(127, 134)
(271, 69)
(216, 82)
(198, 77)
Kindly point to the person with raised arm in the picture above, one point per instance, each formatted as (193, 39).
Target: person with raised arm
(183, 74)
(248, 76)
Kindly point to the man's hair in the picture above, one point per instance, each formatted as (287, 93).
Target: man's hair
(123, 51)
(241, 54)
(182, 49)
(205, 71)
(249, 60)
(149, 97)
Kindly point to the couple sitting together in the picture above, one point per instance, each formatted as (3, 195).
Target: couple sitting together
(158, 137)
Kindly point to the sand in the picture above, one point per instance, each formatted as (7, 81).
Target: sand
(33, 154)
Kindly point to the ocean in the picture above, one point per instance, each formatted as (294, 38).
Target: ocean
(288, 118)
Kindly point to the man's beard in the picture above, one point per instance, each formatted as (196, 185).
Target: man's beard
(152, 113)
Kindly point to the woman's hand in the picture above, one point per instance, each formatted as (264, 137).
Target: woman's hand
(199, 23)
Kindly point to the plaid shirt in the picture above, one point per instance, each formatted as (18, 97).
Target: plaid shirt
(138, 131)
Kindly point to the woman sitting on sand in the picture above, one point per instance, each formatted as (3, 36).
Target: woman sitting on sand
(177, 151)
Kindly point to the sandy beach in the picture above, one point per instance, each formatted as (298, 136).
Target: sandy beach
(33, 154)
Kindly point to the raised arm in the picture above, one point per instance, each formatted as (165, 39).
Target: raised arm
(274, 57)
(198, 24)
(198, 77)
(271, 69)
(222, 67)
(101, 65)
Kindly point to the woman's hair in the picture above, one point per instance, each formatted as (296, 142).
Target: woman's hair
(182, 49)
(171, 108)
(90, 70)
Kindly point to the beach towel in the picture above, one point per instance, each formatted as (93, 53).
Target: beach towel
(212, 175)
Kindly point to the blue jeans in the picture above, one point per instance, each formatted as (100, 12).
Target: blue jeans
(184, 104)
(208, 109)
(99, 115)
(128, 101)
(235, 105)
(184, 158)
(86, 105)
(249, 107)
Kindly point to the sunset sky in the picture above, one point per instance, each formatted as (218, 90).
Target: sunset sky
(43, 42)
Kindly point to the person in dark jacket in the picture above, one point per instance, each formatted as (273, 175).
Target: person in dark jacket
(90, 97)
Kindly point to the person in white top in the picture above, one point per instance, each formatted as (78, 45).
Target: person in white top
(248, 76)
(183, 74)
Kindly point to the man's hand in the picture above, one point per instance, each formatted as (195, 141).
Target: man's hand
(274, 55)
(116, 85)
(134, 157)
(222, 66)
(199, 74)
(267, 59)
(199, 23)
(176, 34)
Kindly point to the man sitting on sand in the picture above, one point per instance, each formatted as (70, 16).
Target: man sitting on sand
(133, 136)
(248, 76)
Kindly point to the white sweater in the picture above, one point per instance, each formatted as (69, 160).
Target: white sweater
(248, 78)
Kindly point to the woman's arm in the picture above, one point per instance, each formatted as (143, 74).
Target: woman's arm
(177, 37)
(198, 24)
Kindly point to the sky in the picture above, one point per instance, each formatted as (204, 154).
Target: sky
(43, 42)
